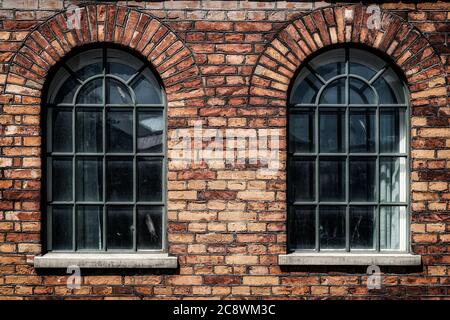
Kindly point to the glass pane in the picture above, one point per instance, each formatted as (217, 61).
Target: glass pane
(149, 233)
(89, 179)
(362, 130)
(334, 93)
(62, 228)
(119, 183)
(122, 64)
(332, 227)
(305, 88)
(364, 64)
(390, 88)
(392, 228)
(63, 87)
(87, 64)
(150, 179)
(89, 227)
(302, 226)
(61, 130)
(302, 179)
(392, 179)
(362, 179)
(301, 131)
(150, 131)
(119, 130)
(392, 130)
(330, 63)
(362, 226)
(332, 179)
(91, 92)
(360, 92)
(62, 179)
(332, 130)
(117, 93)
(120, 227)
(147, 89)
(89, 130)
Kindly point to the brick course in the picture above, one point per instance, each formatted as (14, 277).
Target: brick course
(228, 64)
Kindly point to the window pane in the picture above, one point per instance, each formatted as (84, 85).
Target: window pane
(302, 225)
(334, 93)
(89, 130)
(362, 179)
(332, 130)
(89, 227)
(392, 179)
(147, 89)
(392, 130)
(150, 228)
(301, 131)
(119, 128)
(329, 64)
(62, 228)
(62, 179)
(87, 64)
(117, 93)
(305, 88)
(119, 185)
(89, 179)
(390, 88)
(360, 92)
(362, 226)
(302, 179)
(63, 87)
(150, 131)
(392, 228)
(61, 130)
(332, 227)
(332, 179)
(150, 179)
(362, 130)
(120, 227)
(122, 64)
(364, 63)
(91, 93)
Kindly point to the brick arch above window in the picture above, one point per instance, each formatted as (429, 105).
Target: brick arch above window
(407, 47)
(139, 31)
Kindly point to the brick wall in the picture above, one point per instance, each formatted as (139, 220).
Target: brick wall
(228, 64)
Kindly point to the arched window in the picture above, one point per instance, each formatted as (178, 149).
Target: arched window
(105, 152)
(348, 155)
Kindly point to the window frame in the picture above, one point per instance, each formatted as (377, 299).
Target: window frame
(134, 155)
(315, 155)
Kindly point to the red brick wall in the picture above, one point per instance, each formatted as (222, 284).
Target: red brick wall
(228, 64)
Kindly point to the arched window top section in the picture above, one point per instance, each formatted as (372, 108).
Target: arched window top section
(347, 76)
(104, 76)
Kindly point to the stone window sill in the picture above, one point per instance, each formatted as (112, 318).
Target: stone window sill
(106, 260)
(346, 259)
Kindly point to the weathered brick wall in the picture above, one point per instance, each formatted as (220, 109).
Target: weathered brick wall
(228, 64)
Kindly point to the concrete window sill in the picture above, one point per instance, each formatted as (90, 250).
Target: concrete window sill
(106, 260)
(346, 259)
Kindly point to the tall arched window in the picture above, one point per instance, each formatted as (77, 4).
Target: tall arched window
(105, 151)
(348, 155)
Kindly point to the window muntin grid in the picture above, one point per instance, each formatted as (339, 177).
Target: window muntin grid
(106, 183)
(342, 193)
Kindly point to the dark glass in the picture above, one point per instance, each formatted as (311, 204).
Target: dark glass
(119, 179)
(360, 92)
(120, 227)
(362, 226)
(334, 93)
(390, 88)
(89, 179)
(91, 92)
(362, 179)
(61, 130)
(332, 179)
(332, 130)
(362, 130)
(302, 227)
(301, 131)
(149, 233)
(87, 64)
(329, 64)
(62, 228)
(89, 227)
(364, 63)
(392, 130)
(122, 64)
(305, 88)
(89, 130)
(67, 90)
(332, 227)
(392, 179)
(150, 131)
(146, 89)
(117, 93)
(150, 179)
(302, 179)
(390, 224)
(62, 179)
(119, 130)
